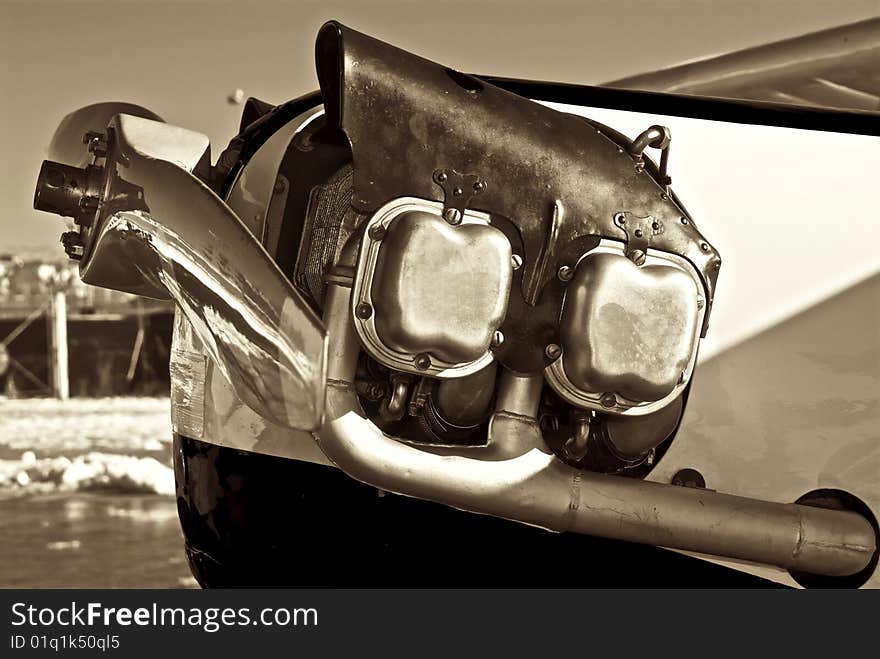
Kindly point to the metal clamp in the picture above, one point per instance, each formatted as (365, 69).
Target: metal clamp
(458, 190)
(639, 233)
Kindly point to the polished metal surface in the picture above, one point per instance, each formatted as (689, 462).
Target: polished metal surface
(535, 488)
(163, 233)
(429, 296)
(628, 331)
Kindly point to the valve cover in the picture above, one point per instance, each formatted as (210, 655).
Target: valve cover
(629, 333)
(429, 294)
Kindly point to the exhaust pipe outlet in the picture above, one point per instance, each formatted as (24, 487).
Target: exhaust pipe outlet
(530, 485)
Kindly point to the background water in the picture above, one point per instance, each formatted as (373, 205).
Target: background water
(87, 495)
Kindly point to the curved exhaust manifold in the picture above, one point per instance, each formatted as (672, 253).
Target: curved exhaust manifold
(521, 480)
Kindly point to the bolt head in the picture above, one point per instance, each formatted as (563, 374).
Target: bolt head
(553, 351)
(608, 400)
(453, 216)
(363, 310)
(422, 361)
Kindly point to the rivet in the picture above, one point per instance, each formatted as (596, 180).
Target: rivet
(441, 176)
(458, 192)
(452, 215)
(700, 302)
(684, 220)
(608, 400)
(377, 232)
(479, 186)
(553, 351)
(717, 265)
(423, 361)
(638, 233)
(565, 273)
(664, 196)
(364, 310)
(704, 247)
(655, 226)
(516, 261)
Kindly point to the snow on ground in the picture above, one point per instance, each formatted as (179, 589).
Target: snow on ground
(83, 444)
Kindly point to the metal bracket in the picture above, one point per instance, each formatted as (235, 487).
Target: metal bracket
(458, 190)
(658, 137)
(639, 232)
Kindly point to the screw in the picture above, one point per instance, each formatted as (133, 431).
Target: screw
(700, 302)
(608, 400)
(553, 351)
(516, 261)
(377, 232)
(441, 176)
(452, 215)
(497, 338)
(637, 257)
(364, 310)
(565, 273)
(479, 186)
(704, 247)
(423, 361)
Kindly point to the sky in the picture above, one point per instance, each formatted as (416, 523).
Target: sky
(182, 59)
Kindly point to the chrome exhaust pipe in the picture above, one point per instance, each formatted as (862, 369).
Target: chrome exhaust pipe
(530, 485)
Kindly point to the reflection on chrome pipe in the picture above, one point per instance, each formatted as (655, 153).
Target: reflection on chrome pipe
(535, 488)
(161, 232)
